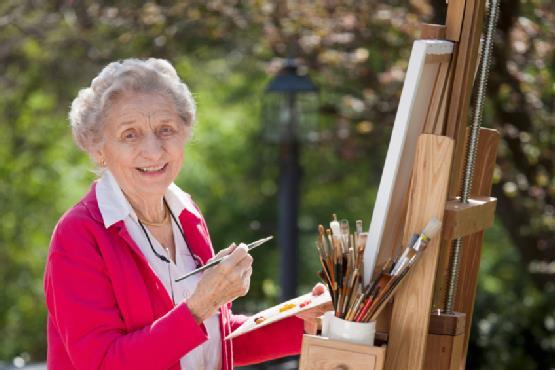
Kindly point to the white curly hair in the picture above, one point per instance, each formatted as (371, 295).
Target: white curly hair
(136, 75)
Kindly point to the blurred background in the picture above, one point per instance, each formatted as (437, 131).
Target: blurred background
(356, 53)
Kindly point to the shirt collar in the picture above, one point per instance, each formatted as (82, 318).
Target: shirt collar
(114, 206)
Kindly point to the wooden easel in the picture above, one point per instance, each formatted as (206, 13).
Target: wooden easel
(416, 337)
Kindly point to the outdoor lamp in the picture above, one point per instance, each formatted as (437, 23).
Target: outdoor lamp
(290, 116)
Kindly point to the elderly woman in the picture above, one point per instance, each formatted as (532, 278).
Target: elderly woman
(110, 285)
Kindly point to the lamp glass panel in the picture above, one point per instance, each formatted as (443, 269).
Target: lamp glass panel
(290, 115)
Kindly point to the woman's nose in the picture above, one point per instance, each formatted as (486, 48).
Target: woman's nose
(152, 147)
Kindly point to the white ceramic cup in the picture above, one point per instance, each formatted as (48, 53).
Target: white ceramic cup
(348, 331)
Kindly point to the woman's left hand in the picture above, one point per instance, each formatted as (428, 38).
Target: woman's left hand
(311, 316)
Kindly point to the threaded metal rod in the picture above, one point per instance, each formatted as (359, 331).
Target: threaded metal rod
(487, 48)
(480, 99)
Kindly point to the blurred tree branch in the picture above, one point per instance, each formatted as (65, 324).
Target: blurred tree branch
(521, 215)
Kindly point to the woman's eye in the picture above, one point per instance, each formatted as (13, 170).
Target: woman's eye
(167, 130)
(129, 135)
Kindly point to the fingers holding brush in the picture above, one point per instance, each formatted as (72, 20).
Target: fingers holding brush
(224, 252)
(222, 283)
(238, 254)
(238, 268)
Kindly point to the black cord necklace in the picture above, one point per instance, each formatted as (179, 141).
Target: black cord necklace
(198, 261)
(164, 258)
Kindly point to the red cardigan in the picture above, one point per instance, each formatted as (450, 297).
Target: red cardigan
(107, 308)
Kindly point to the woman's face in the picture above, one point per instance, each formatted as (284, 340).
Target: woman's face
(143, 142)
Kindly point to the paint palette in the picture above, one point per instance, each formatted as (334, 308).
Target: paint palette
(280, 312)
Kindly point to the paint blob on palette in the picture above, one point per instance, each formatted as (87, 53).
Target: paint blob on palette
(280, 312)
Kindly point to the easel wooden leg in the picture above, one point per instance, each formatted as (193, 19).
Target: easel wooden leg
(472, 244)
(445, 342)
(468, 281)
(413, 301)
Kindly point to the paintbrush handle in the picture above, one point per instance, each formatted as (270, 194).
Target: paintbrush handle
(389, 290)
(215, 262)
(200, 269)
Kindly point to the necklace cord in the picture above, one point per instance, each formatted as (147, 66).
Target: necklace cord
(164, 258)
(194, 256)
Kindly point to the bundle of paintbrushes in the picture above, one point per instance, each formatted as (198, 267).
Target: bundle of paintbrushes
(341, 255)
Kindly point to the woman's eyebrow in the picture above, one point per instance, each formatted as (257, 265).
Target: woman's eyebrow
(163, 112)
(163, 109)
(127, 118)
(166, 119)
(127, 123)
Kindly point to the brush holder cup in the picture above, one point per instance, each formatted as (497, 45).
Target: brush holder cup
(348, 331)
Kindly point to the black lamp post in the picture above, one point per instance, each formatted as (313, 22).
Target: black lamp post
(290, 114)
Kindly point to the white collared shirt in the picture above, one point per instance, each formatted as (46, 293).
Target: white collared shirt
(115, 207)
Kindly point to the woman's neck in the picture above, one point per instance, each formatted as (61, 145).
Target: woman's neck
(151, 209)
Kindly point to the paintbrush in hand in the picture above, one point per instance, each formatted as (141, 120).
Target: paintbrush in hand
(250, 247)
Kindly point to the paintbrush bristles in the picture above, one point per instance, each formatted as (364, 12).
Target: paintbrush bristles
(341, 256)
(341, 264)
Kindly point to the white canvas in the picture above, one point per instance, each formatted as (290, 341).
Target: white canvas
(409, 122)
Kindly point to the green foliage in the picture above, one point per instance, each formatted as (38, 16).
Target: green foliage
(514, 321)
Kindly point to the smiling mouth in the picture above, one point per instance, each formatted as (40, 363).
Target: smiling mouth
(152, 170)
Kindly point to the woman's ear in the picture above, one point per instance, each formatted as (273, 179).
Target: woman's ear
(98, 156)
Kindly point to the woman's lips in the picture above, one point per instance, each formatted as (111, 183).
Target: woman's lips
(152, 170)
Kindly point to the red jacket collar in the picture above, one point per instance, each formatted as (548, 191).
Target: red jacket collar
(190, 218)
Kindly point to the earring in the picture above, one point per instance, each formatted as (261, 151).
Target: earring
(102, 163)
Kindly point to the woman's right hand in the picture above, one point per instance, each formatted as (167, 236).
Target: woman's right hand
(222, 283)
